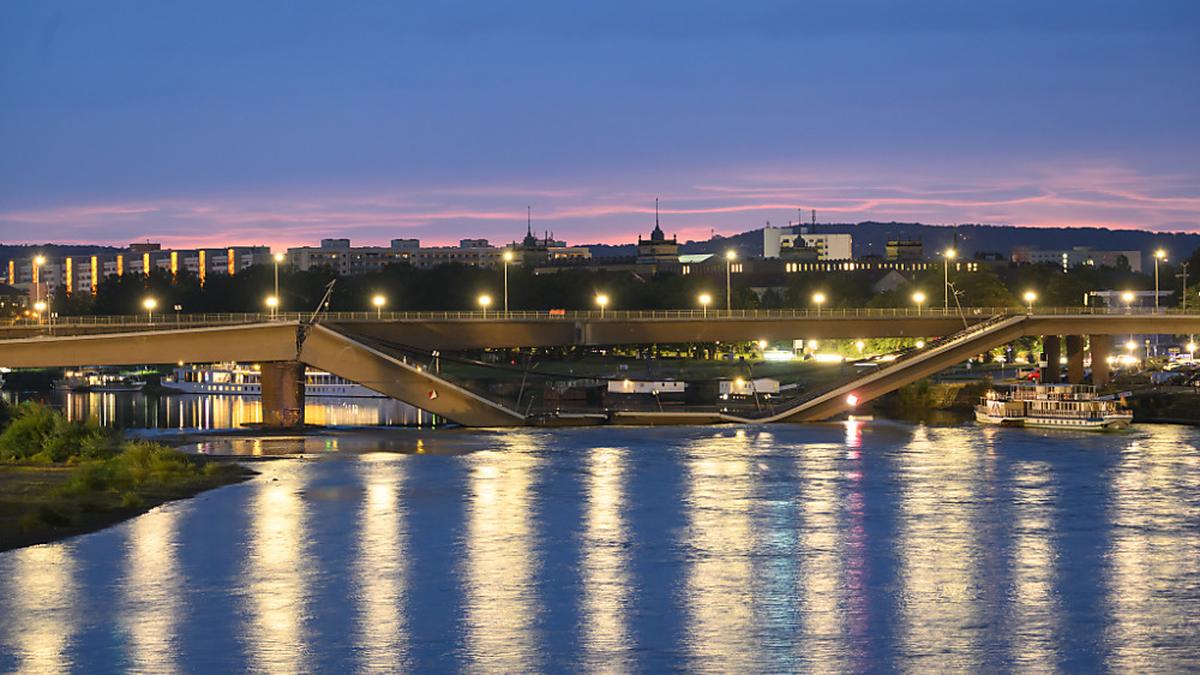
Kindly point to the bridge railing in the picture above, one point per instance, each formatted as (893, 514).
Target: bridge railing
(170, 319)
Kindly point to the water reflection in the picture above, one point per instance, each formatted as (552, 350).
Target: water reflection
(178, 411)
(940, 622)
(381, 567)
(822, 617)
(150, 592)
(277, 574)
(605, 565)
(1035, 604)
(40, 612)
(501, 567)
(719, 541)
(1153, 587)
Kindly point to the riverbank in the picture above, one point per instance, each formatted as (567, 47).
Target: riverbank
(60, 478)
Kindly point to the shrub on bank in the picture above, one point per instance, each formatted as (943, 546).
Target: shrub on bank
(37, 434)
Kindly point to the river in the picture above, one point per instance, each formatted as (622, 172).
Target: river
(839, 547)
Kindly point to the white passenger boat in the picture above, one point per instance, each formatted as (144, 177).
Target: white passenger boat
(1053, 406)
(243, 380)
(100, 380)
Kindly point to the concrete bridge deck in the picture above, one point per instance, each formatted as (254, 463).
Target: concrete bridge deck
(341, 345)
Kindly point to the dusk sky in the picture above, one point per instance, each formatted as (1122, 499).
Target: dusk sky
(283, 122)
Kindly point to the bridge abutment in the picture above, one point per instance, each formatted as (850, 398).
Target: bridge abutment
(1052, 347)
(1074, 359)
(283, 394)
(1101, 347)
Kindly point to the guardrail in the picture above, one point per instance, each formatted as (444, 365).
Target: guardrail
(167, 320)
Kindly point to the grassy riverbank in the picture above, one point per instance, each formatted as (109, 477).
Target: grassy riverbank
(59, 478)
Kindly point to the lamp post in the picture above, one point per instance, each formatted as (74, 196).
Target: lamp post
(818, 300)
(149, 304)
(40, 308)
(949, 254)
(507, 257)
(1127, 296)
(484, 300)
(1159, 255)
(278, 259)
(602, 302)
(272, 302)
(919, 298)
(1030, 296)
(730, 256)
(38, 261)
(704, 299)
(379, 301)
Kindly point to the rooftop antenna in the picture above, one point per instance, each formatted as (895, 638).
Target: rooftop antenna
(529, 221)
(656, 211)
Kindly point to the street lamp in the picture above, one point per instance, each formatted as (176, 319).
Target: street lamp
(484, 300)
(1127, 296)
(602, 302)
(149, 304)
(38, 261)
(1030, 296)
(730, 256)
(507, 257)
(818, 300)
(272, 302)
(1191, 349)
(278, 259)
(949, 254)
(40, 308)
(379, 301)
(705, 299)
(1159, 255)
(919, 298)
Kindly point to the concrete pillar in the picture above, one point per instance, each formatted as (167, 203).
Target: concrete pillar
(1101, 347)
(283, 394)
(1052, 346)
(1074, 359)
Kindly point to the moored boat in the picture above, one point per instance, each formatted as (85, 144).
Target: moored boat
(236, 379)
(1053, 406)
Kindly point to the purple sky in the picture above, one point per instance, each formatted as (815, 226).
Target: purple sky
(284, 122)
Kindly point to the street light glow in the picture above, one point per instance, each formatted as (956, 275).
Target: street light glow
(818, 298)
(507, 256)
(484, 300)
(918, 297)
(731, 254)
(272, 301)
(278, 257)
(1191, 347)
(705, 299)
(39, 306)
(951, 254)
(39, 260)
(762, 344)
(378, 300)
(1127, 296)
(149, 304)
(1160, 254)
(1030, 296)
(1131, 345)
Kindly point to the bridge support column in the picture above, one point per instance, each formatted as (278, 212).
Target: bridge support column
(283, 394)
(1074, 359)
(1052, 347)
(1101, 347)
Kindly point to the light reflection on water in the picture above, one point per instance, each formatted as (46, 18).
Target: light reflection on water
(835, 547)
(182, 411)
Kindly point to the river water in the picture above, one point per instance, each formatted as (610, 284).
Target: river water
(840, 547)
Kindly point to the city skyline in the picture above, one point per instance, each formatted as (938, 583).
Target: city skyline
(198, 125)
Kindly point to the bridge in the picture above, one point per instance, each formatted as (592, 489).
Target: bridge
(360, 346)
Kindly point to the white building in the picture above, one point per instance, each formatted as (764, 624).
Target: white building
(779, 242)
(1077, 256)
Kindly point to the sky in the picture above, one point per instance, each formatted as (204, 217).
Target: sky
(280, 123)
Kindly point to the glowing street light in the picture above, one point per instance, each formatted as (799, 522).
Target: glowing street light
(507, 257)
(919, 298)
(1130, 346)
(818, 300)
(949, 254)
(38, 261)
(484, 300)
(762, 345)
(1030, 296)
(40, 308)
(705, 299)
(1127, 296)
(730, 256)
(1191, 348)
(149, 304)
(379, 301)
(860, 345)
(1159, 255)
(272, 303)
(601, 302)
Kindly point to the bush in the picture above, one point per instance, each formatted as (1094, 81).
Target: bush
(41, 435)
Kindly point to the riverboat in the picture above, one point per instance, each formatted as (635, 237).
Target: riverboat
(99, 380)
(1053, 406)
(246, 380)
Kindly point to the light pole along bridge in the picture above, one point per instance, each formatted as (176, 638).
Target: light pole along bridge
(353, 346)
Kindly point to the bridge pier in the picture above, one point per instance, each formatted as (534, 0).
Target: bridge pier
(1052, 347)
(283, 394)
(1074, 359)
(1101, 347)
